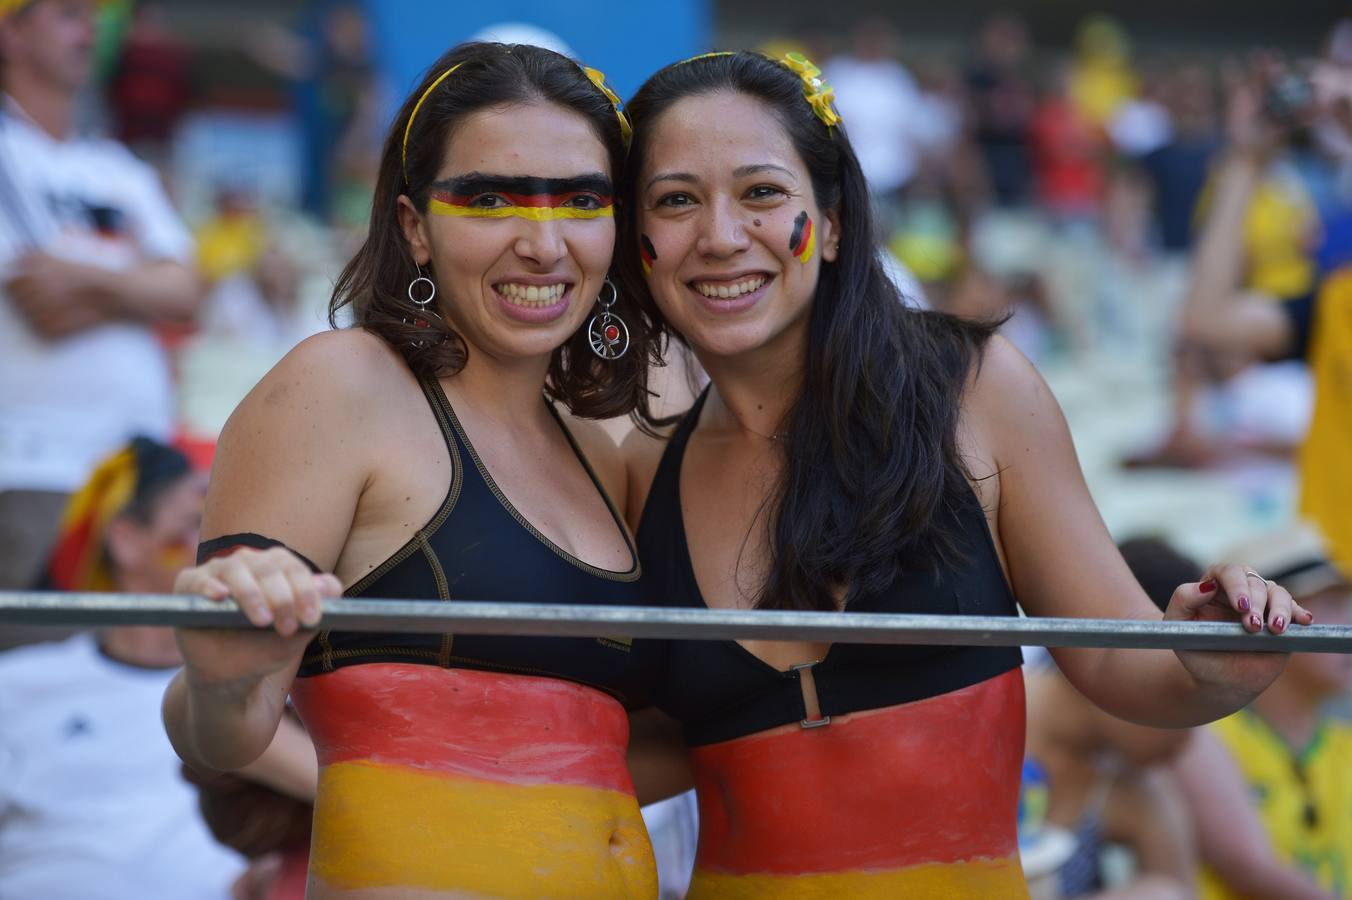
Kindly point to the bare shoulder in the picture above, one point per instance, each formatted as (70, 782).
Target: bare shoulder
(298, 448)
(331, 377)
(1002, 375)
(310, 418)
(1007, 407)
(348, 359)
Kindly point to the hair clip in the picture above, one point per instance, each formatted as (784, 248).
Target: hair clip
(598, 78)
(819, 94)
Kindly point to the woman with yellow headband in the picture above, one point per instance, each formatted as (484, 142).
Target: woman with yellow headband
(853, 453)
(419, 454)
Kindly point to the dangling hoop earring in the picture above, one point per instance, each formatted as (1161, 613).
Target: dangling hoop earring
(413, 290)
(608, 334)
(420, 320)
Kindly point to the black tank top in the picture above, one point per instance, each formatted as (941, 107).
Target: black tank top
(479, 547)
(719, 690)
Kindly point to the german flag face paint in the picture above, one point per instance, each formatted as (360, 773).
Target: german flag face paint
(646, 253)
(804, 238)
(523, 197)
(471, 783)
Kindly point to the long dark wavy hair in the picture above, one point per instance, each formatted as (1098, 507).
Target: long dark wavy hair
(375, 283)
(871, 456)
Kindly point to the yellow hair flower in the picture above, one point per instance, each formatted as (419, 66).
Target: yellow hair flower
(598, 78)
(819, 94)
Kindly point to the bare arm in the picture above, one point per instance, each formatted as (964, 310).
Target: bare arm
(1140, 745)
(1217, 315)
(1231, 836)
(1144, 813)
(657, 758)
(154, 291)
(291, 466)
(59, 297)
(1062, 562)
(289, 764)
(221, 725)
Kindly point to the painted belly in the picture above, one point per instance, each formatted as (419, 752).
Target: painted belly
(473, 784)
(918, 800)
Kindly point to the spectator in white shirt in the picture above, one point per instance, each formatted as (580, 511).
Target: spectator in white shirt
(92, 257)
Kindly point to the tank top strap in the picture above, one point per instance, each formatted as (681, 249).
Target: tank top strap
(441, 408)
(664, 494)
(615, 513)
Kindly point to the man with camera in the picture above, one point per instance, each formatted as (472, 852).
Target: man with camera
(1221, 319)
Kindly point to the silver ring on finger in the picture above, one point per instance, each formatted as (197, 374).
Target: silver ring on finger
(1252, 574)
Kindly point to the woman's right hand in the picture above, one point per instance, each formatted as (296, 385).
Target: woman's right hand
(273, 587)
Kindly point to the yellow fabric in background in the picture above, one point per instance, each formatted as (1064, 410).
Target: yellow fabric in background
(1278, 223)
(1099, 87)
(229, 244)
(1326, 455)
(1277, 228)
(1269, 768)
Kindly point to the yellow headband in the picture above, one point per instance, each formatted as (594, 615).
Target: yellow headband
(703, 56)
(403, 156)
(595, 76)
(818, 93)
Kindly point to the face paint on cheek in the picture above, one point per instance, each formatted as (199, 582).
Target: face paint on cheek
(646, 253)
(803, 241)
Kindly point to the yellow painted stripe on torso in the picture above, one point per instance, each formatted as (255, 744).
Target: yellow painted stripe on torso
(984, 879)
(382, 827)
(533, 213)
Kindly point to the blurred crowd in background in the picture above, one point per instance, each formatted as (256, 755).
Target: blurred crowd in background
(1066, 187)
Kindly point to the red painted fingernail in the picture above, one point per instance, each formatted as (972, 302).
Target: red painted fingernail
(1255, 622)
(1206, 587)
(1243, 603)
(1278, 623)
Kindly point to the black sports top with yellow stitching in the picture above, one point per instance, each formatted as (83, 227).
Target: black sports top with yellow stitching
(479, 547)
(718, 690)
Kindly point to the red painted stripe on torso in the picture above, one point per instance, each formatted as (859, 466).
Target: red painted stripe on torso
(935, 781)
(519, 729)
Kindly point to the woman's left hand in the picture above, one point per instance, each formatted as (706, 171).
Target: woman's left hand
(1229, 593)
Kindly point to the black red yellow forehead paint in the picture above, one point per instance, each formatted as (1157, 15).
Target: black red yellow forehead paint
(646, 253)
(804, 238)
(524, 196)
